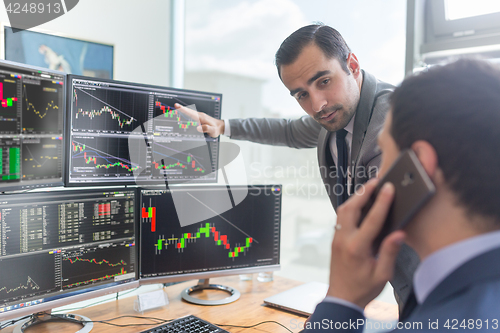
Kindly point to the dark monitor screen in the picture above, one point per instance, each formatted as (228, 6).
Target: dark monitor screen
(32, 110)
(127, 133)
(204, 231)
(54, 245)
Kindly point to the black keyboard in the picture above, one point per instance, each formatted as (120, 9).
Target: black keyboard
(189, 324)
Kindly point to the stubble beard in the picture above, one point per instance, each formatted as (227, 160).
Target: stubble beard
(342, 118)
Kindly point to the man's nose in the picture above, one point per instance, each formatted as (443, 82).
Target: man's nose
(318, 102)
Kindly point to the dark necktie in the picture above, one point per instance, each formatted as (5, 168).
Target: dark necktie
(410, 305)
(342, 156)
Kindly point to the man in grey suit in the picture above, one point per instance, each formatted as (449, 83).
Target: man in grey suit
(449, 116)
(345, 108)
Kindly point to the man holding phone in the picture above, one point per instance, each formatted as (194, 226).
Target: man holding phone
(449, 116)
(345, 108)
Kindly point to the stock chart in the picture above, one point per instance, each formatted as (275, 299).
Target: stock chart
(42, 109)
(109, 118)
(9, 115)
(246, 235)
(109, 111)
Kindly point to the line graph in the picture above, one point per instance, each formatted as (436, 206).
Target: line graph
(29, 285)
(106, 110)
(41, 158)
(42, 110)
(25, 276)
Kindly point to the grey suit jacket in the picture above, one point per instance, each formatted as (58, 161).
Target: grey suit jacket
(305, 132)
(471, 292)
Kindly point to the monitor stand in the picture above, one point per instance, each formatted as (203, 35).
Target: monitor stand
(204, 284)
(43, 317)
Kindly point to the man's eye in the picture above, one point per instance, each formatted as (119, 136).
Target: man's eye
(325, 81)
(301, 95)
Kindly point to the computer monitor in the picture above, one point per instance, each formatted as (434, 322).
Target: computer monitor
(61, 247)
(129, 133)
(32, 108)
(198, 232)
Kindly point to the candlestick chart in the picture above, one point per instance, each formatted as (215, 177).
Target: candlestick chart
(182, 159)
(169, 121)
(106, 110)
(244, 236)
(91, 265)
(94, 157)
(9, 117)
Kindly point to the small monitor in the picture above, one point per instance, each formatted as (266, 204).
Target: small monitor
(32, 109)
(208, 231)
(128, 133)
(61, 247)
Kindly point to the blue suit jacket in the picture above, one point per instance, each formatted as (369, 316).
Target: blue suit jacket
(469, 296)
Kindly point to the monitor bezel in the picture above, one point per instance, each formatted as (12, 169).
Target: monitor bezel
(209, 274)
(67, 182)
(80, 294)
(56, 183)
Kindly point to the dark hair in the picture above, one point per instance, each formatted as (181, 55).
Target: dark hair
(456, 108)
(329, 40)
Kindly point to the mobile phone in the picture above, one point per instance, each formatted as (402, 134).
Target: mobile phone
(413, 189)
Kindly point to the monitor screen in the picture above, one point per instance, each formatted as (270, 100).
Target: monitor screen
(127, 133)
(31, 127)
(54, 245)
(204, 231)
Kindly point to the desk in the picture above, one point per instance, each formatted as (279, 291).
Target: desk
(248, 310)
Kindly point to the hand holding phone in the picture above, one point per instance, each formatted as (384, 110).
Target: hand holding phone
(413, 189)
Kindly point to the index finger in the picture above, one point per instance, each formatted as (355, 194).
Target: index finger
(187, 111)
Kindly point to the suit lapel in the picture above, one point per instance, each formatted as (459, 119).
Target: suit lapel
(363, 114)
(326, 164)
(472, 272)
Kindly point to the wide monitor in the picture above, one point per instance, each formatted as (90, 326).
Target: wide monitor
(128, 133)
(200, 232)
(32, 109)
(61, 247)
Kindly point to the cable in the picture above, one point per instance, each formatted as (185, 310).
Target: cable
(12, 322)
(252, 326)
(107, 322)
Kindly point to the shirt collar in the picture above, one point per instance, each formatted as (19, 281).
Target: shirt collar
(349, 128)
(439, 265)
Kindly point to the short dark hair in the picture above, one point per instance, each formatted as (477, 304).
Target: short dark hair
(456, 108)
(329, 40)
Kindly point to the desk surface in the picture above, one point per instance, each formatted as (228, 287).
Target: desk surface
(248, 310)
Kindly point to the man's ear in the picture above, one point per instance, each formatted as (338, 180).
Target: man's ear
(353, 65)
(427, 156)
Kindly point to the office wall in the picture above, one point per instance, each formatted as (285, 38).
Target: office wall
(139, 31)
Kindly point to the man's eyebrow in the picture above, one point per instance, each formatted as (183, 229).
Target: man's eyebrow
(294, 91)
(317, 76)
(310, 81)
